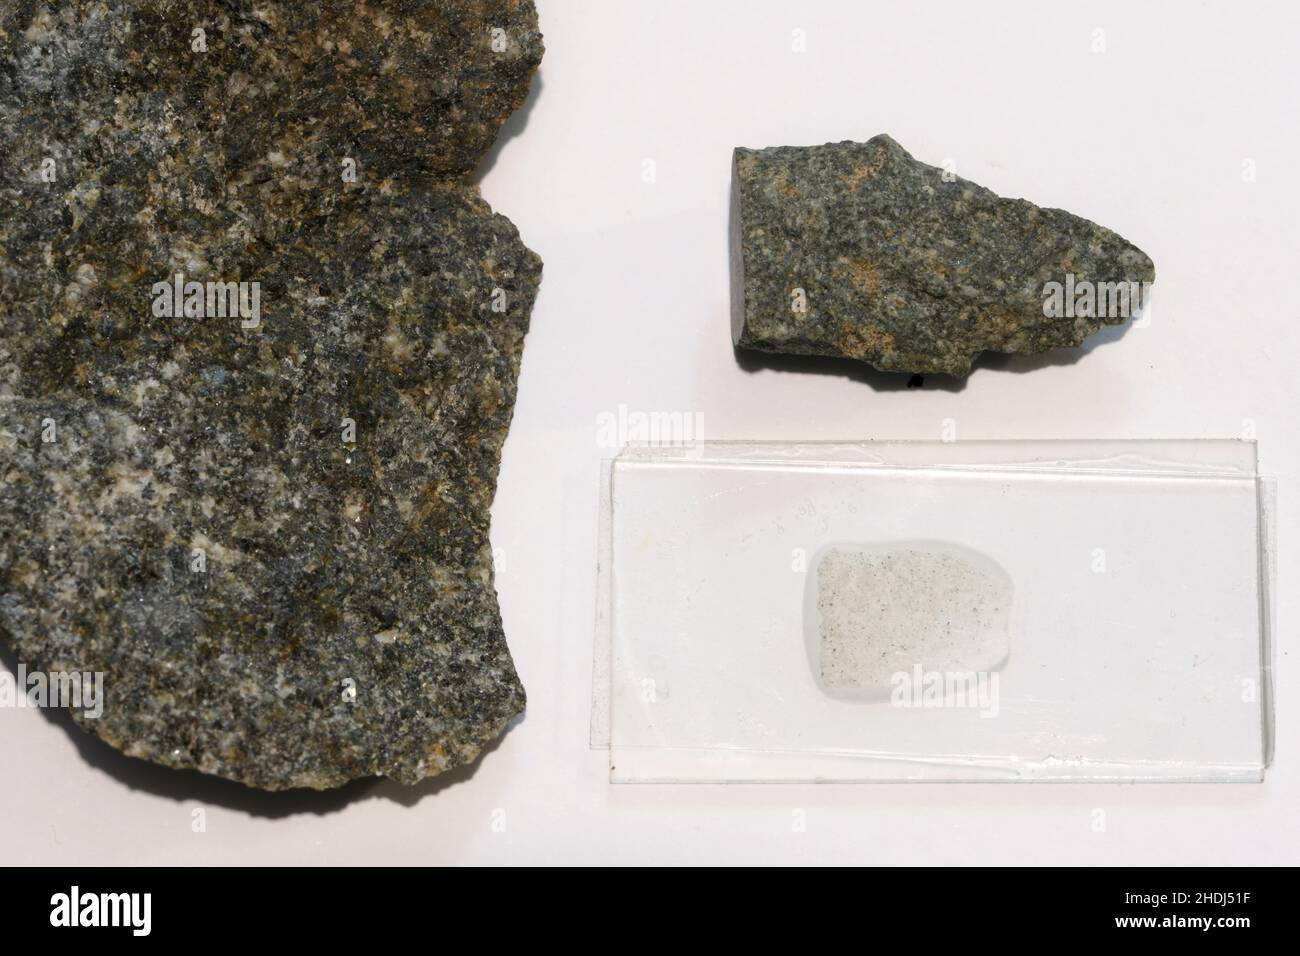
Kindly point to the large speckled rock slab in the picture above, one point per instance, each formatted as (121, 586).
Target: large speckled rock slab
(857, 250)
(269, 534)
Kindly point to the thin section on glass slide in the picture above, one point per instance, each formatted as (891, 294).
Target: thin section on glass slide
(975, 611)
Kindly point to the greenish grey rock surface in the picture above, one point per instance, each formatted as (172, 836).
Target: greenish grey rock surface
(269, 532)
(857, 250)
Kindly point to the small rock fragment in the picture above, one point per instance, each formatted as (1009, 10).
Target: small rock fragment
(859, 251)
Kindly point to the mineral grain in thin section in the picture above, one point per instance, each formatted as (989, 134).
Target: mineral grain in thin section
(857, 250)
(262, 515)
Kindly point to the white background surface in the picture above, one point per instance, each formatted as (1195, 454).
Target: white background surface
(1148, 138)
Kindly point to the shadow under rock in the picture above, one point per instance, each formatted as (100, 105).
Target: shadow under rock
(755, 361)
(512, 127)
(191, 786)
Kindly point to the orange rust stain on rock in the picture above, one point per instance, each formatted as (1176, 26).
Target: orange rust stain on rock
(999, 322)
(865, 171)
(862, 274)
(785, 186)
(866, 341)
